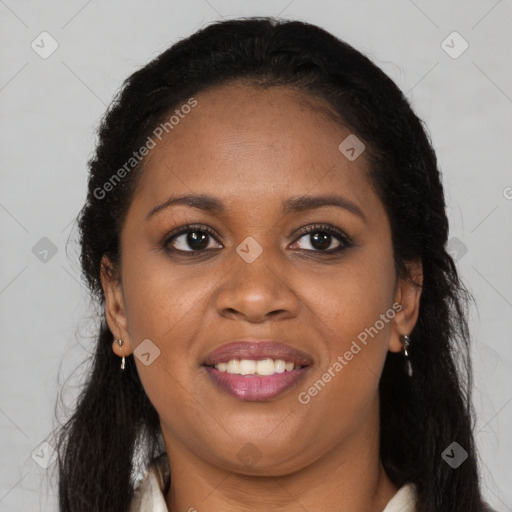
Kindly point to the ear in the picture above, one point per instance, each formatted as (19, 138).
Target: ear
(115, 311)
(407, 294)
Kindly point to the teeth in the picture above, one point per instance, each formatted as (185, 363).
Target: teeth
(279, 366)
(265, 367)
(247, 367)
(251, 367)
(233, 366)
(222, 367)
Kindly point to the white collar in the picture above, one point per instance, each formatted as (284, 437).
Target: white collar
(404, 500)
(149, 495)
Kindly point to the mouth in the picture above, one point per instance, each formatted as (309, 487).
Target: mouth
(256, 371)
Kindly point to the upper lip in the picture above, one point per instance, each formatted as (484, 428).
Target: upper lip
(257, 350)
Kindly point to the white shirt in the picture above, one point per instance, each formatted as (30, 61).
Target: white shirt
(149, 495)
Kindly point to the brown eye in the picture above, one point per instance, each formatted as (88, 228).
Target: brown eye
(323, 238)
(192, 239)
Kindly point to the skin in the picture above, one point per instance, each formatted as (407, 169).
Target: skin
(253, 148)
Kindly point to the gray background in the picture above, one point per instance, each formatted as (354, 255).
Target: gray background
(50, 107)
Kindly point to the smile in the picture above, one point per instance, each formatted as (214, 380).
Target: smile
(256, 370)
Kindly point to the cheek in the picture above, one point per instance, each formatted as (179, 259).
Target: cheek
(352, 312)
(162, 300)
(169, 306)
(351, 299)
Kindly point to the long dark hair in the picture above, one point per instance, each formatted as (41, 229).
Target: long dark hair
(420, 416)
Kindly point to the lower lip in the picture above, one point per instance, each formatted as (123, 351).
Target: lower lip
(256, 388)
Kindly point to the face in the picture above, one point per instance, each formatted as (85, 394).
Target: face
(295, 247)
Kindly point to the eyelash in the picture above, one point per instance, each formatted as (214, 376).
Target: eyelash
(345, 241)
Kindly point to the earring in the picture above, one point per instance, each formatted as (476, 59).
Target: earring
(406, 341)
(120, 343)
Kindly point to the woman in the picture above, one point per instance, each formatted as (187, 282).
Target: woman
(283, 328)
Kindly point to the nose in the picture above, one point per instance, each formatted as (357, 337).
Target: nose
(256, 291)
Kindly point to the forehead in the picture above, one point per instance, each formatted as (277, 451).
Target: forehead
(253, 143)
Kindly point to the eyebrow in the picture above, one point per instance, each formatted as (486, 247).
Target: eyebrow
(294, 204)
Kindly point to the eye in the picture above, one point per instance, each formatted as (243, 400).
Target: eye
(191, 238)
(324, 238)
